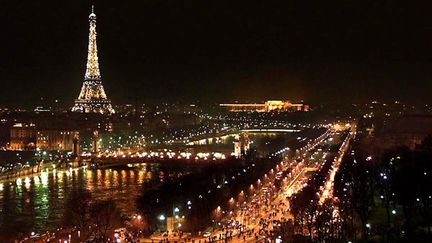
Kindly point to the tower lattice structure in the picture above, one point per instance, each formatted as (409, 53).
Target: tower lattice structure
(92, 98)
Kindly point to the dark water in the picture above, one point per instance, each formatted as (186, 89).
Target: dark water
(38, 203)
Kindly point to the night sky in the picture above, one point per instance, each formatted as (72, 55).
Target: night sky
(217, 51)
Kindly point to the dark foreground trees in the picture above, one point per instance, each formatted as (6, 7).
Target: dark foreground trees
(387, 198)
(94, 219)
(78, 212)
(105, 218)
(198, 195)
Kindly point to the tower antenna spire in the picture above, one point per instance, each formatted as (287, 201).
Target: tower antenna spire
(92, 9)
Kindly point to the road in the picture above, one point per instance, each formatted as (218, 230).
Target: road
(254, 218)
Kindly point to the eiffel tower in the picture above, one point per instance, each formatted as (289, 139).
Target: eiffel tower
(92, 98)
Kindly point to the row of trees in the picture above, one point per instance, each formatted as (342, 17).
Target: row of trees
(314, 222)
(387, 197)
(310, 217)
(94, 219)
(384, 198)
(213, 186)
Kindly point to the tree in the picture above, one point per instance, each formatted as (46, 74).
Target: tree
(78, 211)
(343, 193)
(285, 231)
(310, 213)
(105, 217)
(324, 222)
(362, 193)
(412, 180)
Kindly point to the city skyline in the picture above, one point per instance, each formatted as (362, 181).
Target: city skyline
(219, 52)
(215, 121)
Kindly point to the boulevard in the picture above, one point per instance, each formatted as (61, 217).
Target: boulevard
(215, 121)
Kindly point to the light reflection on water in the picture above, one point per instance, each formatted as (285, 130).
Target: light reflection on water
(38, 203)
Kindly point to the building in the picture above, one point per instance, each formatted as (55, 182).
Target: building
(92, 98)
(55, 140)
(22, 137)
(268, 106)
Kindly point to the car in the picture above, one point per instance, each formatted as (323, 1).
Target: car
(206, 234)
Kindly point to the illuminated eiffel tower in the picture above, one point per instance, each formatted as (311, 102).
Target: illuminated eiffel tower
(92, 98)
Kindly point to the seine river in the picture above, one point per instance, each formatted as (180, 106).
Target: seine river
(38, 203)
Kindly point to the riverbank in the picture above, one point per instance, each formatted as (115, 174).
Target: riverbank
(25, 171)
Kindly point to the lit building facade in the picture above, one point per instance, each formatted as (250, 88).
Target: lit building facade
(22, 137)
(55, 140)
(268, 106)
(92, 98)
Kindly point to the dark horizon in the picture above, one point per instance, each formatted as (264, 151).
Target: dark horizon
(324, 52)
